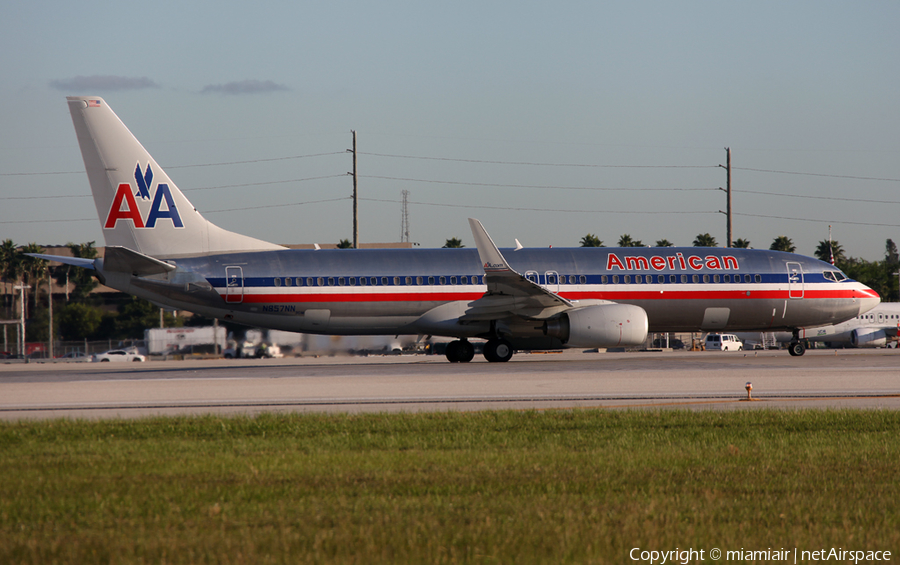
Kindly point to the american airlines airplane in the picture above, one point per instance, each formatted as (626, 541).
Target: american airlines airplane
(159, 247)
(874, 328)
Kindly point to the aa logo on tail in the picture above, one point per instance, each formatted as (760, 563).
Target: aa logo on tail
(125, 206)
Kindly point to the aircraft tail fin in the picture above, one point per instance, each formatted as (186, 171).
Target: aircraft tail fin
(139, 206)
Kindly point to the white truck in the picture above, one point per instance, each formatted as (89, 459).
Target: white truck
(162, 341)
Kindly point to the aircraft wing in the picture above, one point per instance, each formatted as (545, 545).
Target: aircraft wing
(508, 292)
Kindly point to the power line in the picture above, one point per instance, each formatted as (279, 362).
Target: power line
(171, 167)
(819, 221)
(256, 160)
(820, 197)
(276, 205)
(816, 174)
(263, 183)
(482, 207)
(530, 185)
(535, 164)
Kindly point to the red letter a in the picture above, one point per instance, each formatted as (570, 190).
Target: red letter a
(130, 212)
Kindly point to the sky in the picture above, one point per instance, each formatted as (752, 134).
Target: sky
(546, 121)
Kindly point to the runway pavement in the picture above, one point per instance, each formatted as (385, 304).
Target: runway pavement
(686, 380)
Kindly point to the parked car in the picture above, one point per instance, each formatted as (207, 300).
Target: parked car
(723, 342)
(117, 355)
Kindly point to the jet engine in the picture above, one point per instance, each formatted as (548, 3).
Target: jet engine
(868, 337)
(605, 325)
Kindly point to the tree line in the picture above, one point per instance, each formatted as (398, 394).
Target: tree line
(77, 315)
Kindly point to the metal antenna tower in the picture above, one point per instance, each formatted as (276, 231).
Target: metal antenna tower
(404, 219)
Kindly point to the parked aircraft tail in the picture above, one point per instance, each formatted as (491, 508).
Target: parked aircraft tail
(139, 206)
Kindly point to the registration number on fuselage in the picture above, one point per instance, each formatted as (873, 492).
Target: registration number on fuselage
(279, 309)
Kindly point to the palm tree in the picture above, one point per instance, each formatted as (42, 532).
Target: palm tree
(453, 243)
(891, 255)
(664, 243)
(705, 240)
(83, 279)
(825, 249)
(10, 265)
(783, 243)
(741, 243)
(35, 269)
(345, 244)
(591, 240)
(627, 241)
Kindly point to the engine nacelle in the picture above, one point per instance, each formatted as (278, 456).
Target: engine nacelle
(868, 337)
(605, 325)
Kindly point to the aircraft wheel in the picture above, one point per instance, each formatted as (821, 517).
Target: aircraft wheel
(460, 351)
(796, 349)
(467, 351)
(498, 350)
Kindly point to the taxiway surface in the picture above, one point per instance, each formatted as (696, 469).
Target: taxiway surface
(688, 380)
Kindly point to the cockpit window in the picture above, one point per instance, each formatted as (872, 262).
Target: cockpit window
(835, 276)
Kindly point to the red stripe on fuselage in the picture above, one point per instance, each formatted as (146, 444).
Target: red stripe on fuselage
(613, 295)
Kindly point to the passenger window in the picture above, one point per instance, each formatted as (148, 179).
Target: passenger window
(706, 278)
(320, 281)
(727, 278)
(627, 279)
(757, 278)
(431, 280)
(604, 279)
(452, 279)
(288, 281)
(330, 281)
(715, 278)
(277, 281)
(341, 281)
(615, 279)
(582, 279)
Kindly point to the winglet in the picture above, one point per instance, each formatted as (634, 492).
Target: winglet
(491, 258)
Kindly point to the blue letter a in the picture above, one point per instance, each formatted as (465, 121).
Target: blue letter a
(171, 212)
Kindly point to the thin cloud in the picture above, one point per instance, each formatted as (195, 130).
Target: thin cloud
(244, 87)
(102, 83)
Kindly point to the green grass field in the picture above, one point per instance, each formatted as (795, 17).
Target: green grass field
(577, 486)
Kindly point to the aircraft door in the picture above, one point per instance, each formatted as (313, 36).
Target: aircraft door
(234, 285)
(532, 276)
(795, 280)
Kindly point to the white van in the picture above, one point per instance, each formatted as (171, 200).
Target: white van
(723, 342)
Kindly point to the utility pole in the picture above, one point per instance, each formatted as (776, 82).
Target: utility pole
(727, 168)
(355, 196)
(50, 309)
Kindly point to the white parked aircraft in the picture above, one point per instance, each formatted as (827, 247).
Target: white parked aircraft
(874, 328)
(159, 247)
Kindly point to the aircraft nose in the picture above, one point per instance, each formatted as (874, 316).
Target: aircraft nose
(868, 300)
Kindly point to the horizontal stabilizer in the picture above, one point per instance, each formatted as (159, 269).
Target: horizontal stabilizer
(74, 261)
(124, 260)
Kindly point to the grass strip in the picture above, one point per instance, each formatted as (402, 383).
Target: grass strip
(566, 486)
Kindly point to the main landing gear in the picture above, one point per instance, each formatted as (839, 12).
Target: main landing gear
(796, 348)
(496, 350)
(460, 351)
